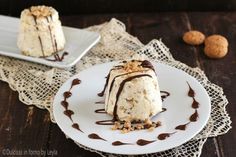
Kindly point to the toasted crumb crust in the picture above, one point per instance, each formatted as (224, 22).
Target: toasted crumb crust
(127, 126)
(132, 66)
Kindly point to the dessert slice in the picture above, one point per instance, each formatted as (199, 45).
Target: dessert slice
(132, 92)
(40, 33)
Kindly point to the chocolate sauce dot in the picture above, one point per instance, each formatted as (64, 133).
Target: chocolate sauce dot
(182, 127)
(67, 94)
(95, 136)
(195, 104)
(100, 111)
(194, 116)
(76, 126)
(191, 92)
(64, 104)
(68, 113)
(119, 143)
(76, 82)
(142, 142)
(163, 136)
(163, 109)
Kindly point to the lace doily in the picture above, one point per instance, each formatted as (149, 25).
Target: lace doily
(37, 84)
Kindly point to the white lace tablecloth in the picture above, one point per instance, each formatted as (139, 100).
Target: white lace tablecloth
(37, 84)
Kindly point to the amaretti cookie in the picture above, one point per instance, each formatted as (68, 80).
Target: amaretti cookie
(216, 46)
(194, 37)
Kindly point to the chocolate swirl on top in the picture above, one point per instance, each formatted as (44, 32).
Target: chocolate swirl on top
(147, 64)
(144, 64)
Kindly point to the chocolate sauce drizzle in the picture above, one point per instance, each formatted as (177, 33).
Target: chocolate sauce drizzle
(100, 111)
(163, 109)
(119, 143)
(166, 94)
(195, 105)
(106, 122)
(65, 104)
(76, 126)
(67, 94)
(194, 116)
(163, 136)
(50, 31)
(147, 64)
(100, 102)
(142, 142)
(40, 40)
(69, 113)
(191, 92)
(101, 94)
(75, 82)
(182, 127)
(58, 58)
(96, 137)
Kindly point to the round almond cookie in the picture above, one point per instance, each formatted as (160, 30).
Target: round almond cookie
(216, 46)
(216, 40)
(215, 51)
(194, 37)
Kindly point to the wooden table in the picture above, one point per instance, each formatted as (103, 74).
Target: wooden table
(26, 127)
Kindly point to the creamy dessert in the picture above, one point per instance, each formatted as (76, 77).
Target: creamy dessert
(132, 92)
(40, 33)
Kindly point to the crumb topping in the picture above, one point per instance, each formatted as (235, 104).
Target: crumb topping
(132, 66)
(127, 126)
(41, 11)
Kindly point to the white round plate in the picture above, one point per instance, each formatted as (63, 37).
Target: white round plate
(178, 104)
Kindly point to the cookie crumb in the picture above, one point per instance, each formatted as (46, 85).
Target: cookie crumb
(127, 126)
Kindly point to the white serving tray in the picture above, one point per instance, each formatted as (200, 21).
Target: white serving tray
(78, 43)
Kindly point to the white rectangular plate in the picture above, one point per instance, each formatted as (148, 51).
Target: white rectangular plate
(78, 43)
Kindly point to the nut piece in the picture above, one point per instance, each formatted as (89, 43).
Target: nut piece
(40, 11)
(216, 46)
(194, 37)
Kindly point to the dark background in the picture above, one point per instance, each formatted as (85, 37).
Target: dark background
(73, 7)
